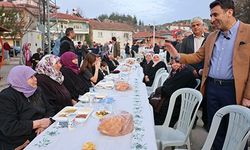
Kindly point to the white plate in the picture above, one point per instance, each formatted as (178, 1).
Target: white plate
(85, 112)
(99, 117)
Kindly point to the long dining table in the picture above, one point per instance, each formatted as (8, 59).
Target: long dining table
(134, 101)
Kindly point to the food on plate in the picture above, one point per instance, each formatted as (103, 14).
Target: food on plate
(121, 86)
(63, 115)
(100, 114)
(88, 146)
(81, 116)
(117, 125)
(70, 110)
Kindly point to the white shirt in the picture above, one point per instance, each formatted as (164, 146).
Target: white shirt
(198, 42)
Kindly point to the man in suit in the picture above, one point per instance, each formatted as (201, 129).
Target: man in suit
(190, 45)
(226, 56)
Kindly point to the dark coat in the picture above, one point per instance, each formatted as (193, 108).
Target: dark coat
(116, 50)
(73, 82)
(57, 95)
(152, 71)
(66, 45)
(187, 47)
(17, 114)
(182, 79)
(112, 64)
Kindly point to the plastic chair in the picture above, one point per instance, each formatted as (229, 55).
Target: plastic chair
(150, 89)
(238, 127)
(198, 81)
(190, 102)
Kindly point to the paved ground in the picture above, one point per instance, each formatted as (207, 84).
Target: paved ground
(5, 70)
(198, 135)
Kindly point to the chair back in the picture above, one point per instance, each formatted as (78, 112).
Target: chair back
(198, 81)
(190, 102)
(159, 80)
(238, 127)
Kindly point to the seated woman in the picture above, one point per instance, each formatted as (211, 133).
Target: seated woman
(147, 62)
(72, 81)
(181, 76)
(50, 79)
(111, 62)
(151, 71)
(24, 111)
(86, 71)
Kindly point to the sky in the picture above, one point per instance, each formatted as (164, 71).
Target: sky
(149, 11)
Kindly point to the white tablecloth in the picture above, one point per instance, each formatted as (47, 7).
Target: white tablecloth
(134, 101)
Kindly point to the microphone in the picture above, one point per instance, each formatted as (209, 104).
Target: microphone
(228, 38)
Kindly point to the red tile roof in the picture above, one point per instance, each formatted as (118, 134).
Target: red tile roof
(67, 17)
(148, 34)
(7, 4)
(113, 26)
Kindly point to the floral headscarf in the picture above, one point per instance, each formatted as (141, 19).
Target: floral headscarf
(46, 66)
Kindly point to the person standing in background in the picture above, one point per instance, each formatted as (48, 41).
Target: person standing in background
(67, 43)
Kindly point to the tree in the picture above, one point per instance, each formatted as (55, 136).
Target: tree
(13, 20)
(123, 18)
(242, 9)
(88, 40)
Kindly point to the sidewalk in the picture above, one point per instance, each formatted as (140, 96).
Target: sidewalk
(4, 71)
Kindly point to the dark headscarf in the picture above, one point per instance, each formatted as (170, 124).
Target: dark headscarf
(18, 77)
(66, 60)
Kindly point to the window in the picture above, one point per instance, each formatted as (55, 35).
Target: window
(126, 35)
(100, 34)
(113, 34)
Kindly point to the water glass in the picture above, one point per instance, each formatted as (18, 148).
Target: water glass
(71, 120)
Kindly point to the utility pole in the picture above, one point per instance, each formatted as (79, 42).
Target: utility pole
(153, 35)
(48, 26)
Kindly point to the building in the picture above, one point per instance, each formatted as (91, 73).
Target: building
(146, 38)
(102, 32)
(60, 21)
(27, 17)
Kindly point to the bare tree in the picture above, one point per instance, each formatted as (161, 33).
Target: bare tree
(242, 8)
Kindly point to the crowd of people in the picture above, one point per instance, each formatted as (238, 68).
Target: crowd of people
(57, 79)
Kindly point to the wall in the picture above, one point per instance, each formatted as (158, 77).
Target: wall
(103, 36)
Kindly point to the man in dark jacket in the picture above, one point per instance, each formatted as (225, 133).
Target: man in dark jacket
(66, 42)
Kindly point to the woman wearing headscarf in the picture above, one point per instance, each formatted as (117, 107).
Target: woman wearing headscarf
(72, 81)
(24, 111)
(150, 73)
(50, 79)
(181, 76)
(27, 54)
(147, 62)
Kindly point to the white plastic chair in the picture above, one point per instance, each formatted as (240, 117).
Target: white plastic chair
(238, 127)
(169, 68)
(150, 89)
(198, 81)
(190, 102)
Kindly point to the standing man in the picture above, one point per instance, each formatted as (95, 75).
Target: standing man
(115, 48)
(191, 44)
(66, 42)
(226, 73)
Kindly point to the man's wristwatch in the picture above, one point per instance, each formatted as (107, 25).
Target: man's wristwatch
(176, 58)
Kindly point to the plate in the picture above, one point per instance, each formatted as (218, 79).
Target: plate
(105, 85)
(100, 114)
(82, 113)
(85, 98)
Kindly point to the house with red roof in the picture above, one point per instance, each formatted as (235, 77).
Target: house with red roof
(60, 21)
(102, 32)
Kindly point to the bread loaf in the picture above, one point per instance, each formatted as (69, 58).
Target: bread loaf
(117, 125)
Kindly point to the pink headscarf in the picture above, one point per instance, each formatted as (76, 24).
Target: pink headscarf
(27, 52)
(66, 60)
